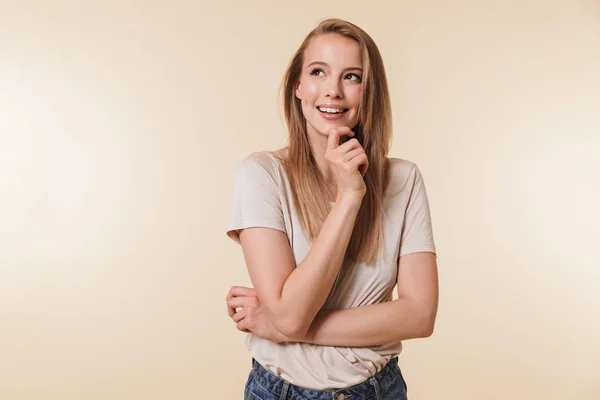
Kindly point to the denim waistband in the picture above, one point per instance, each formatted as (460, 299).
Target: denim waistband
(366, 389)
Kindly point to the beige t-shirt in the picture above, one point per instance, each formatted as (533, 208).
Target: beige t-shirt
(263, 198)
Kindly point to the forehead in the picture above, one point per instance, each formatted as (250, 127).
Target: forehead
(335, 50)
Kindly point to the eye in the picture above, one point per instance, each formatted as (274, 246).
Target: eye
(316, 71)
(358, 78)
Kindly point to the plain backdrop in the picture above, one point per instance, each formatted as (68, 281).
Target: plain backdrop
(122, 124)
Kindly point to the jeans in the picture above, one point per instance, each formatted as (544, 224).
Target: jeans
(387, 384)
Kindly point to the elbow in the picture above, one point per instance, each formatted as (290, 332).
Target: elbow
(289, 323)
(296, 333)
(427, 330)
(424, 322)
(291, 328)
(427, 326)
(291, 331)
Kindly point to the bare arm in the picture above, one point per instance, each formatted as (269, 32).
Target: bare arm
(411, 316)
(292, 296)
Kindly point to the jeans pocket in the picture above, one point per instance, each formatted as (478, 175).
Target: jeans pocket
(247, 386)
(255, 391)
(403, 381)
(396, 389)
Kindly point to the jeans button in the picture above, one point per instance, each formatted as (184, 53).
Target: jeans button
(341, 396)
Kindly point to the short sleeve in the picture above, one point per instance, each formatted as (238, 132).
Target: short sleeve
(417, 231)
(256, 197)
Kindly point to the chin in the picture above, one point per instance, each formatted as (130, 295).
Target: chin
(323, 127)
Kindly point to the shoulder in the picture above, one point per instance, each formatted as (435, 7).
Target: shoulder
(264, 159)
(402, 175)
(261, 165)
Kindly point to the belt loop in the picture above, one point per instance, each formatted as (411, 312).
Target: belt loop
(374, 382)
(284, 391)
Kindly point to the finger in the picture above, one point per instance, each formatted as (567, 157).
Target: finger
(233, 303)
(243, 326)
(236, 302)
(344, 131)
(238, 291)
(361, 162)
(230, 310)
(241, 291)
(359, 159)
(240, 315)
(363, 169)
(352, 153)
(349, 145)
(333, 140)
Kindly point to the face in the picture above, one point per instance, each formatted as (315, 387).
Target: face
(330, 84)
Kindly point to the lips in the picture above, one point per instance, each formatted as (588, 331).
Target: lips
(332, 116)
(331, 109)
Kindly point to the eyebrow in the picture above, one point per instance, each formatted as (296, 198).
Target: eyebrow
(326, 65)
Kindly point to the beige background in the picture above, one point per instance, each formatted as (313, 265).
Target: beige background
(122, 123)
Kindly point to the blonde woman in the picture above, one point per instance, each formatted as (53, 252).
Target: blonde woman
(329, 225)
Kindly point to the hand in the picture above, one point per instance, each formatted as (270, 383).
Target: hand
(251, 318)
(348, 163)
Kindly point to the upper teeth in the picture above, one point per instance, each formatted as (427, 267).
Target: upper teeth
(331, 110)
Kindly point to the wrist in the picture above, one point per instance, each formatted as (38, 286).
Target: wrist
(351, 200)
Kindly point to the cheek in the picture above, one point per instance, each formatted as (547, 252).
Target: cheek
(310, 96)
(311, 92)
(354, 94)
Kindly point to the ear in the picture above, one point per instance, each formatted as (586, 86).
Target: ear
(297, 90)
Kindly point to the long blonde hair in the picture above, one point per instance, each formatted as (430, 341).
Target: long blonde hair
(374, 132)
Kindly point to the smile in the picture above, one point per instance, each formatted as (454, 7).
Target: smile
(325, 110)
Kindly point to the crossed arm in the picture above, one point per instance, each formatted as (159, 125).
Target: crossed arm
(292, 296)
(411, 316)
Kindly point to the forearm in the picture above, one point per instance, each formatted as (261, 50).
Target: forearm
(371, 325)
(307, 287)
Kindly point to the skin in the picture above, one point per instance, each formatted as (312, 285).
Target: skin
(331, 74)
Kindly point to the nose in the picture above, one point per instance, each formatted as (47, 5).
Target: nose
(334, 90)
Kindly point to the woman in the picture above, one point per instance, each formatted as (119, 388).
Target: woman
(328, 226)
